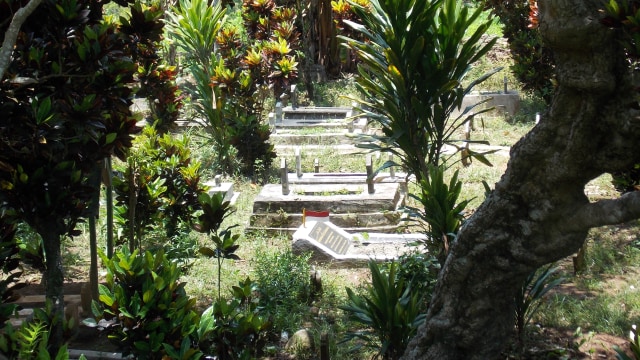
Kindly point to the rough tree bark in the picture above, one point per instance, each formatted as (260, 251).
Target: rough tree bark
(538, 212)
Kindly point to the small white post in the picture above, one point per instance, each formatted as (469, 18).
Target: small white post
(316, 165)
(284, 176)
(217, 180)
(278, 112)
(298, 163)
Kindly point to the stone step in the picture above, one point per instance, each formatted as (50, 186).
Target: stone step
(39, 300)
(353, 221)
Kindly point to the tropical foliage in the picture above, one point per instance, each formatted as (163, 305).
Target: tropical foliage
(388, 309)
(146, 307)
(411, 73)
(158, 187)
(533, 64)
(65, 104)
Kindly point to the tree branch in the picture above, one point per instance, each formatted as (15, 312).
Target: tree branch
(605, 212)
(12, 34)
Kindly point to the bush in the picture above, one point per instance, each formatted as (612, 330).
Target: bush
(284, 283)
(234, 329)
(149, 310)
(419, 271)
(389, 310)
(533, 64)
(162, 181)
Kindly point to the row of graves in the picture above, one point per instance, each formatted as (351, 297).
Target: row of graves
(342, 219)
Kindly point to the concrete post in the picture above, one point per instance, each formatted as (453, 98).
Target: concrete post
(298, 163)
(294, 97)
(284, 176)
(369, 164)
(278, 112)
(272, 122)
(316, 165)
(217, 180)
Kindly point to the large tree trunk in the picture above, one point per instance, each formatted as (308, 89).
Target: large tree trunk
(538, 212)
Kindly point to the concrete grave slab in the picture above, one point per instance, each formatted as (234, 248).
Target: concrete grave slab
(332, 245)
(226, 188)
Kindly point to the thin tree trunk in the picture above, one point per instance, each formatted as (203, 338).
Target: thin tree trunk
(54, 280)
(11, 34)
(108, 184)
(94, 209)
(538, 212)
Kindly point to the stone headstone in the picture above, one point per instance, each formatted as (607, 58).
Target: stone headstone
(330, 237)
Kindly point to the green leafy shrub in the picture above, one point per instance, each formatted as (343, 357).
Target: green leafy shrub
(420, 271)
(441, 211)
(284, 283)
(29, 341)
(389, 309)
(533, 64)
(163, 183)
(234, 329)
(150, 311)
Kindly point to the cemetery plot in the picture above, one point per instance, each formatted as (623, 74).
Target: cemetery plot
(333, 246)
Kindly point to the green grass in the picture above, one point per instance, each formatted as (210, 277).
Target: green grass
(605, 296)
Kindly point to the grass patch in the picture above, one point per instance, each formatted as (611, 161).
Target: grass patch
(605, 297)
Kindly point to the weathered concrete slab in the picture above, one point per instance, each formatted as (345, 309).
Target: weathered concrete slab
(316, 113)
(375, 221)
(504, 103)
(332, 245)
(223, 187)
(337, 198)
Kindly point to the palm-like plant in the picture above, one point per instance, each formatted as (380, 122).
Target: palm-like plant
(194, 25)
(414, 57)
(389, 310)
(442, 211)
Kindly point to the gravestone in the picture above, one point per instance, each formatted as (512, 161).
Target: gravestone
(332, 245)
(330, 237)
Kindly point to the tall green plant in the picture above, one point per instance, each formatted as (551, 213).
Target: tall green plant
(194, 26)
(414, 57)
(442, 212)
(214, 211)
(389, 310)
